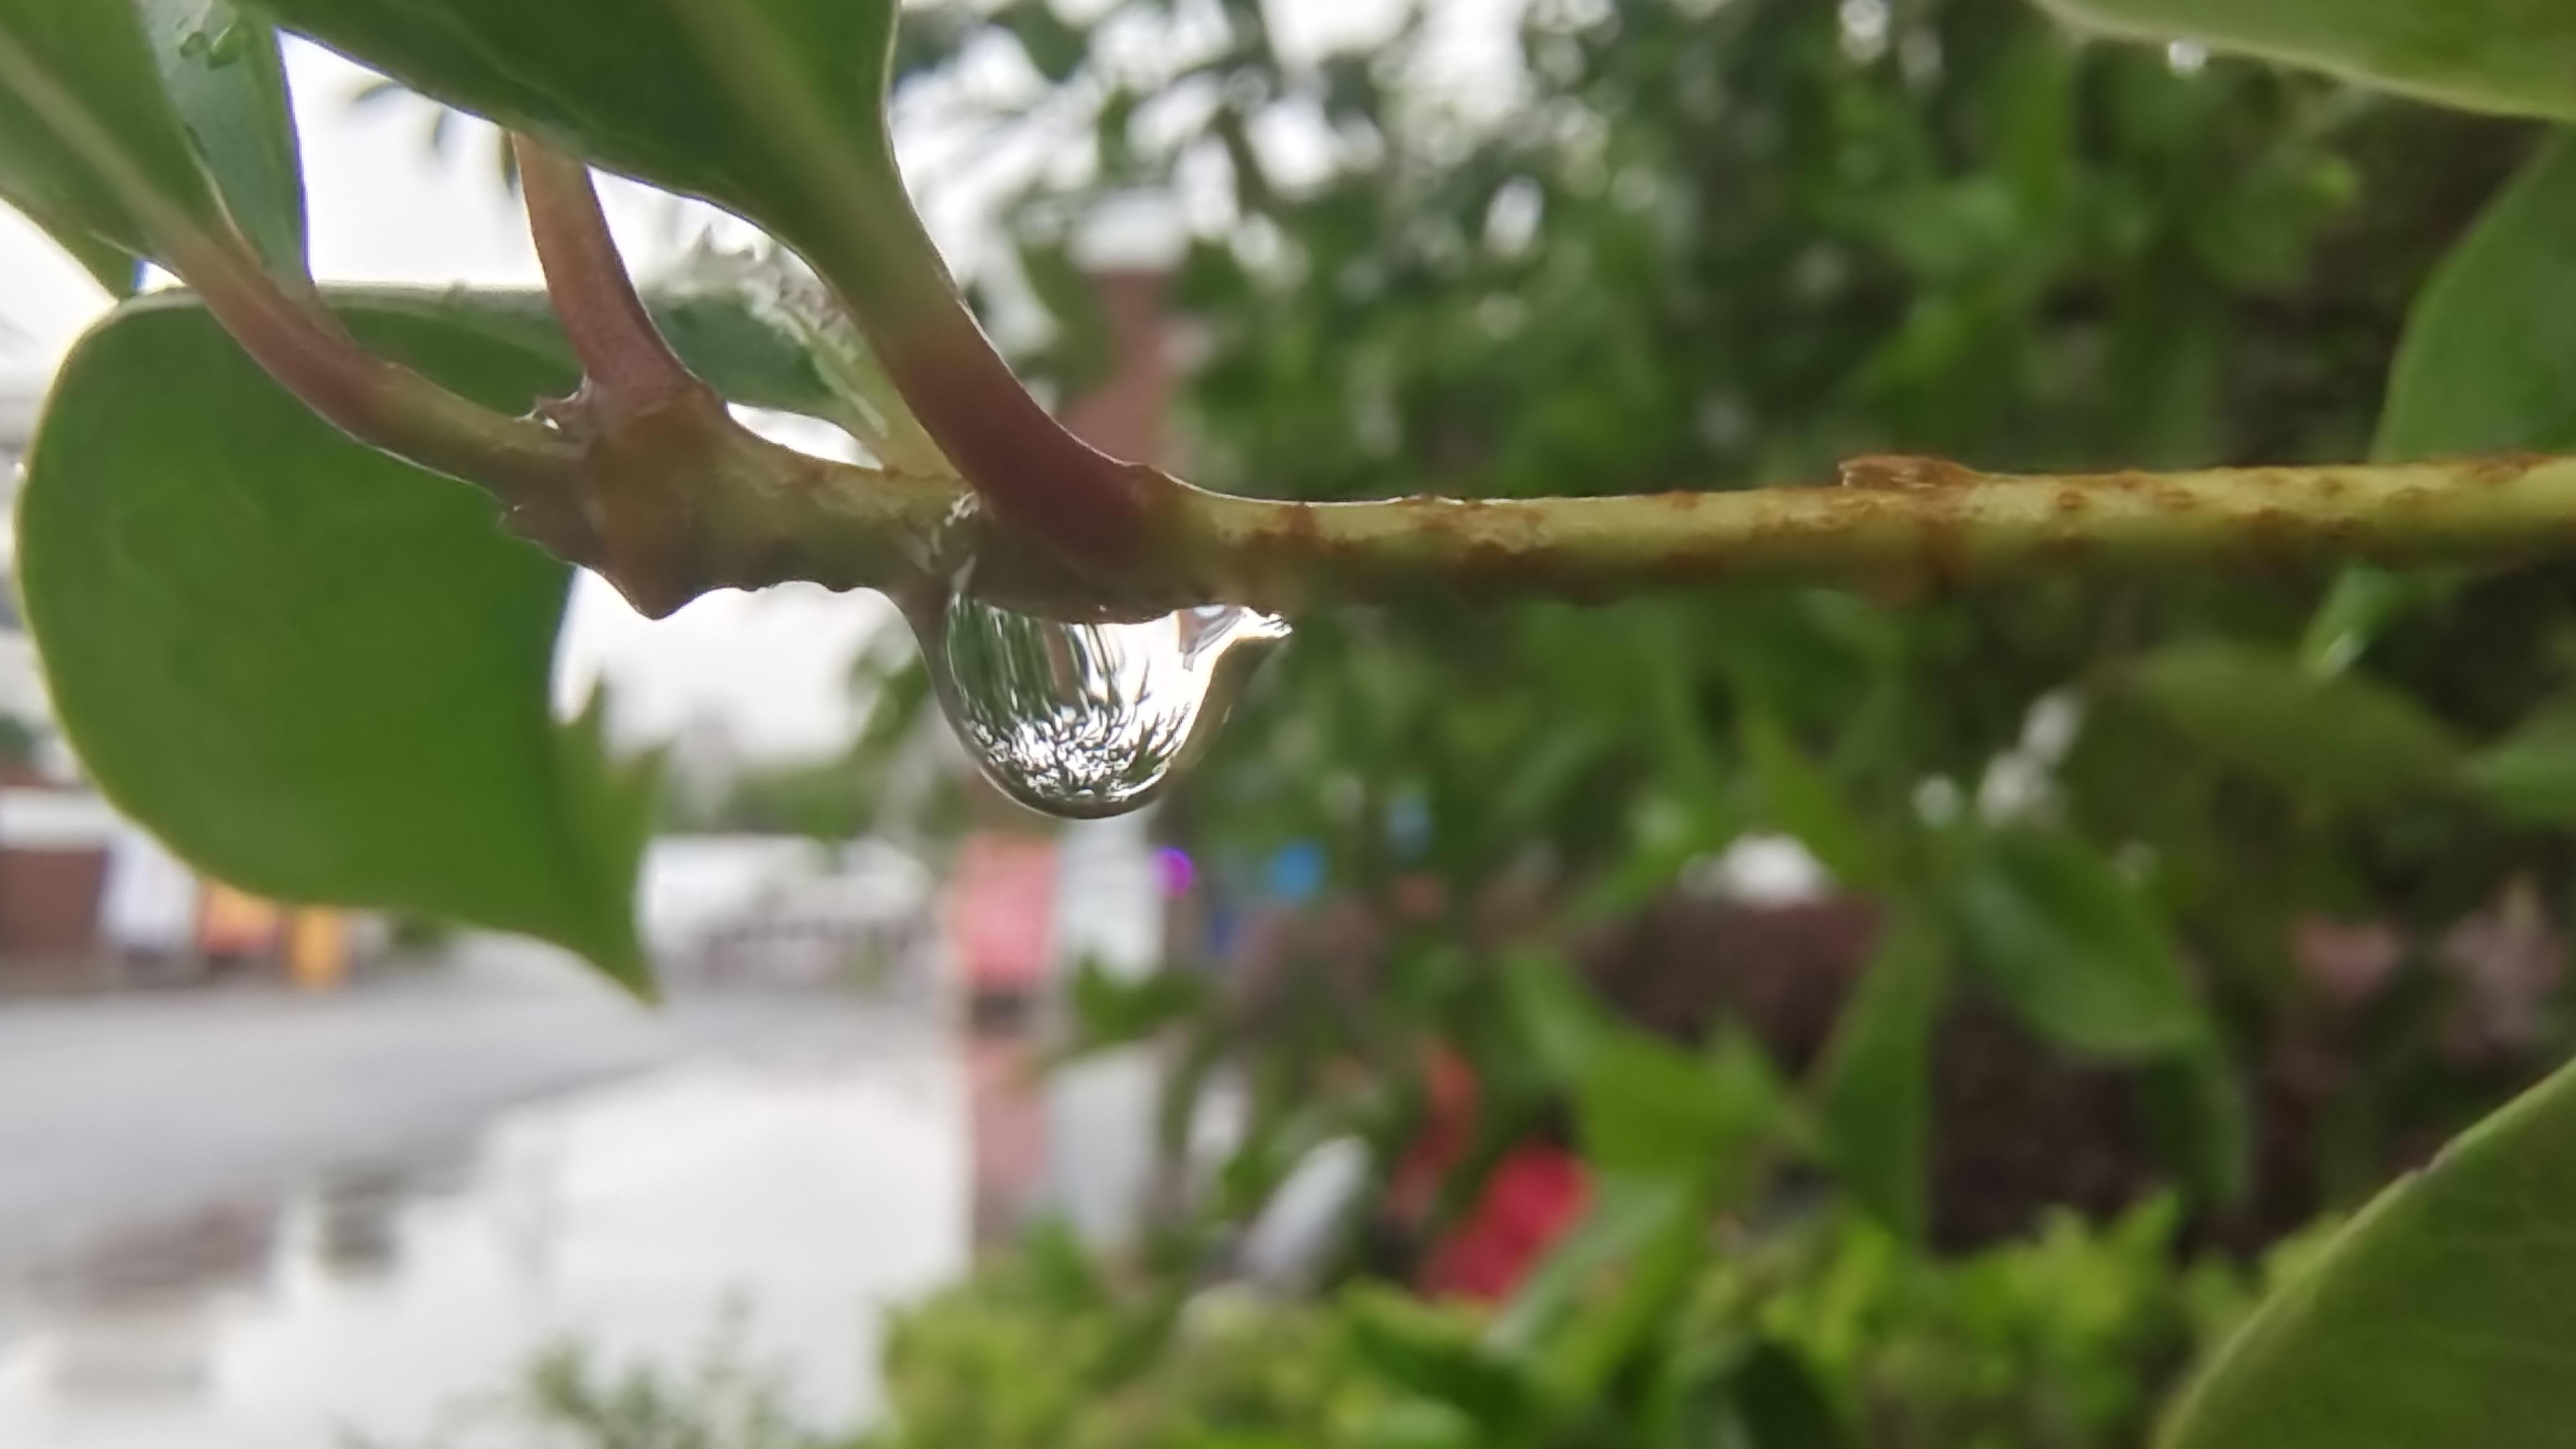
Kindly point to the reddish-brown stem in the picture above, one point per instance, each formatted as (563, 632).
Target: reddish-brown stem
(630, 368)
(377, 401)
(1019, 460)
(851, 219)
(291, 336)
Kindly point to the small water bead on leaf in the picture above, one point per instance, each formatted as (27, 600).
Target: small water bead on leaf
(1088, 720)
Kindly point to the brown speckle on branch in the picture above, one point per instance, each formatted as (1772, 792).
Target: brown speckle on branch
(1898, 470)
(2501, 469)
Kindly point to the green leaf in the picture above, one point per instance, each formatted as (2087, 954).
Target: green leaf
(1801, 800)
(1438, 1355)
(1644, 1105)
(2364, 601)
(2343, 739)
(112, 266)
(1056, 48)
(2514, 56)
(771, 108)
(80, 90)
(1112, 1011)
(1603, 1291)
(1555, 1017)
(228, 81)
(2195, 1108)
(2439, 1316)
(1627, 1213)
(1875, 1084)
(2073, 949)
(2529, 778)
(316, 672)
(742, 353)
(1641, 1103)
(2488, 363)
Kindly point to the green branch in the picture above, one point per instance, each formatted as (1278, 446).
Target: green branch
(671, 501)
(1900, 525)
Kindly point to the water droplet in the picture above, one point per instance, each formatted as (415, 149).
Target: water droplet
(1088, 720)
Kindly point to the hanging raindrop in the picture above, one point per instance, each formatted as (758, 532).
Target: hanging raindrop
(1088, 720)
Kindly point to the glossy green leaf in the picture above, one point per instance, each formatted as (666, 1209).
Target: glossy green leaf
(80, 88)
(1874, 1087)
(2513, 56)
(2440, 1316)
(2488, 363)
(112, 266)
(2073, 950)
(2343, 739)
(742, 353)
(772, 108)
(227, 79)
(316, 672)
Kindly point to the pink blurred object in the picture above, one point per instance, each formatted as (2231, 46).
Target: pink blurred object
(2349, 962)
(1001, 912)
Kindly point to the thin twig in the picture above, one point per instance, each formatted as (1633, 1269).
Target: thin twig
(629, 366)
(377, 401)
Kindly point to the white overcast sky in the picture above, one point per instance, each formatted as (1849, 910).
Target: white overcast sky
(767, 668)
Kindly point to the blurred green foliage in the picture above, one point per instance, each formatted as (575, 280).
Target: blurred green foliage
(1720, 246)
(2221, 898)
(1834, 1335)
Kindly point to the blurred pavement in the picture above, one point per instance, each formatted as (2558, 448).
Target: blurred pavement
(119, 1108)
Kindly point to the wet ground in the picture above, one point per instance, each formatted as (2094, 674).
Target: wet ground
(262, 1222)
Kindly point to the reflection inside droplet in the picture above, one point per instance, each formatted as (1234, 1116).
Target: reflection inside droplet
(1088, 720)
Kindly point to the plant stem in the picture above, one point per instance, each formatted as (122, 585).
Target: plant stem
(855, 225)
(291, 336)
(628, 367)
(1895, 526)
(1019, 460)
(375, 400)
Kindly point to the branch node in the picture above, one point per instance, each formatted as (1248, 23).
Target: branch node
(628, 367)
